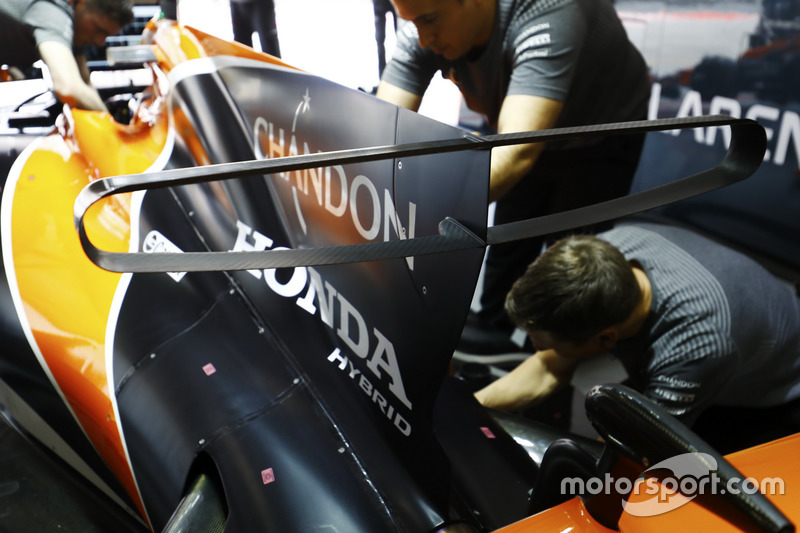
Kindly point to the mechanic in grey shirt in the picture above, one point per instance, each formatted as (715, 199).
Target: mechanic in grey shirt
(50, 30)
(701, 329)
(529, 65)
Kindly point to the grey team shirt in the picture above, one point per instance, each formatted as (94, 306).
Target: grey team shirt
(51, 20)
(573, 51)
(721, 330)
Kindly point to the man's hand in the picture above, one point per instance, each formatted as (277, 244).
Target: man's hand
(528, 384)
(68, 84)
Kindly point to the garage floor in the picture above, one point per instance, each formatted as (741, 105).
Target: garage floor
(41, 494)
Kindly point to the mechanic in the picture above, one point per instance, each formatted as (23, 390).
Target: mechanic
(701, 329)
(54, 31)
(529, 65)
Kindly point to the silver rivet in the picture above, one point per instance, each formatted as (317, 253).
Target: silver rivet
(424, 290)
(399, 165)
(201, 442)
(341, 450)
(152, 356)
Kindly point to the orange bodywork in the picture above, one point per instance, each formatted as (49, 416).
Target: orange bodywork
(766, 464)
(67, 300)
(176, 44)
(65, 297)
(769, 461)
(569, 516)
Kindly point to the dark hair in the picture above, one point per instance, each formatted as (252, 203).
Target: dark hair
(120, 11)
(576, 288)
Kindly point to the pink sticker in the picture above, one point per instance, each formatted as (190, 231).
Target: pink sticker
(209, 369)
(487, 432)
(267, 476)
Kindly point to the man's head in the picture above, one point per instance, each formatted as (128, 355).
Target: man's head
(579, 288)
(451, 28)
(97, 19)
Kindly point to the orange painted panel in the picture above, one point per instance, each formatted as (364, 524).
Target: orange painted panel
(778, 459)
(175, 44)
(569, 516)
(773, 464)
(65, 297)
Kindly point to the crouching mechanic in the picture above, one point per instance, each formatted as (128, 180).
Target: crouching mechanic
(701, 329)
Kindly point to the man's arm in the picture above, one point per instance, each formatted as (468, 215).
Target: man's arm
(396, 95)
(536, 378)
(68, 84)
(518, 113)
(83, 68)
(511, 163)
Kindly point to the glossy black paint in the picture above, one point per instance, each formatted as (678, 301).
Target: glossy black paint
(324, 379)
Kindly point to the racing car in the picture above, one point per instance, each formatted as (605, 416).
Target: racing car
(231, 305)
